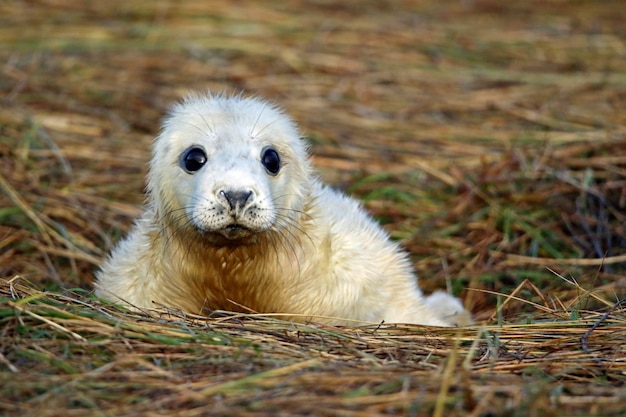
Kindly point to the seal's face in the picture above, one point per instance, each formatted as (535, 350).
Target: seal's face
(229, 167)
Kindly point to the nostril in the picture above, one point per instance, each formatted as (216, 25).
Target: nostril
(236, 198)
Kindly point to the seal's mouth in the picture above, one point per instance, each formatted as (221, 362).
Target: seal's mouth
(235, 231)
(232, 234)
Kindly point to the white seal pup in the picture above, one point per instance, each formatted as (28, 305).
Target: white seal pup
(236, 220)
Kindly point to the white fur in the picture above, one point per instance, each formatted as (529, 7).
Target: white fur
(300, 248)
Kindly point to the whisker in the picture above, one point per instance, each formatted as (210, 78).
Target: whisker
(206, 122)
(260, 132)
(198, 128)
(258, 118)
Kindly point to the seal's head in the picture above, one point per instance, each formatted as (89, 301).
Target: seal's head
(231, 168)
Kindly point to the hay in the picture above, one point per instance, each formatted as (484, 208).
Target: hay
(67, 351)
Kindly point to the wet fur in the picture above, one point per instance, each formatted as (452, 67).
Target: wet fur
(310, 252)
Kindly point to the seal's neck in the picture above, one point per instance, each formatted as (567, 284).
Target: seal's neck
(247, 276)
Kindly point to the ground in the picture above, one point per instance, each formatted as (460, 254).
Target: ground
(488, 137)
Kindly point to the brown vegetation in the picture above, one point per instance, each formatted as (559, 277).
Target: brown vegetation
(489, 137)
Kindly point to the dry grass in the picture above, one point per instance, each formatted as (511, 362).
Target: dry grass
(489, 138)
(72, 355)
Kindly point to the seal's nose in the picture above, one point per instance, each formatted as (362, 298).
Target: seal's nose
(236, 199)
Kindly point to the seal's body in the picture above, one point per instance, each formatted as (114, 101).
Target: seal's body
(236, 220)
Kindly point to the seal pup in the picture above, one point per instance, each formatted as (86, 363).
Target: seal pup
(236, 219)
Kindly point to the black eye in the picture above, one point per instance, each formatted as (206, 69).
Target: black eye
(270, 160)
(193, 159)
